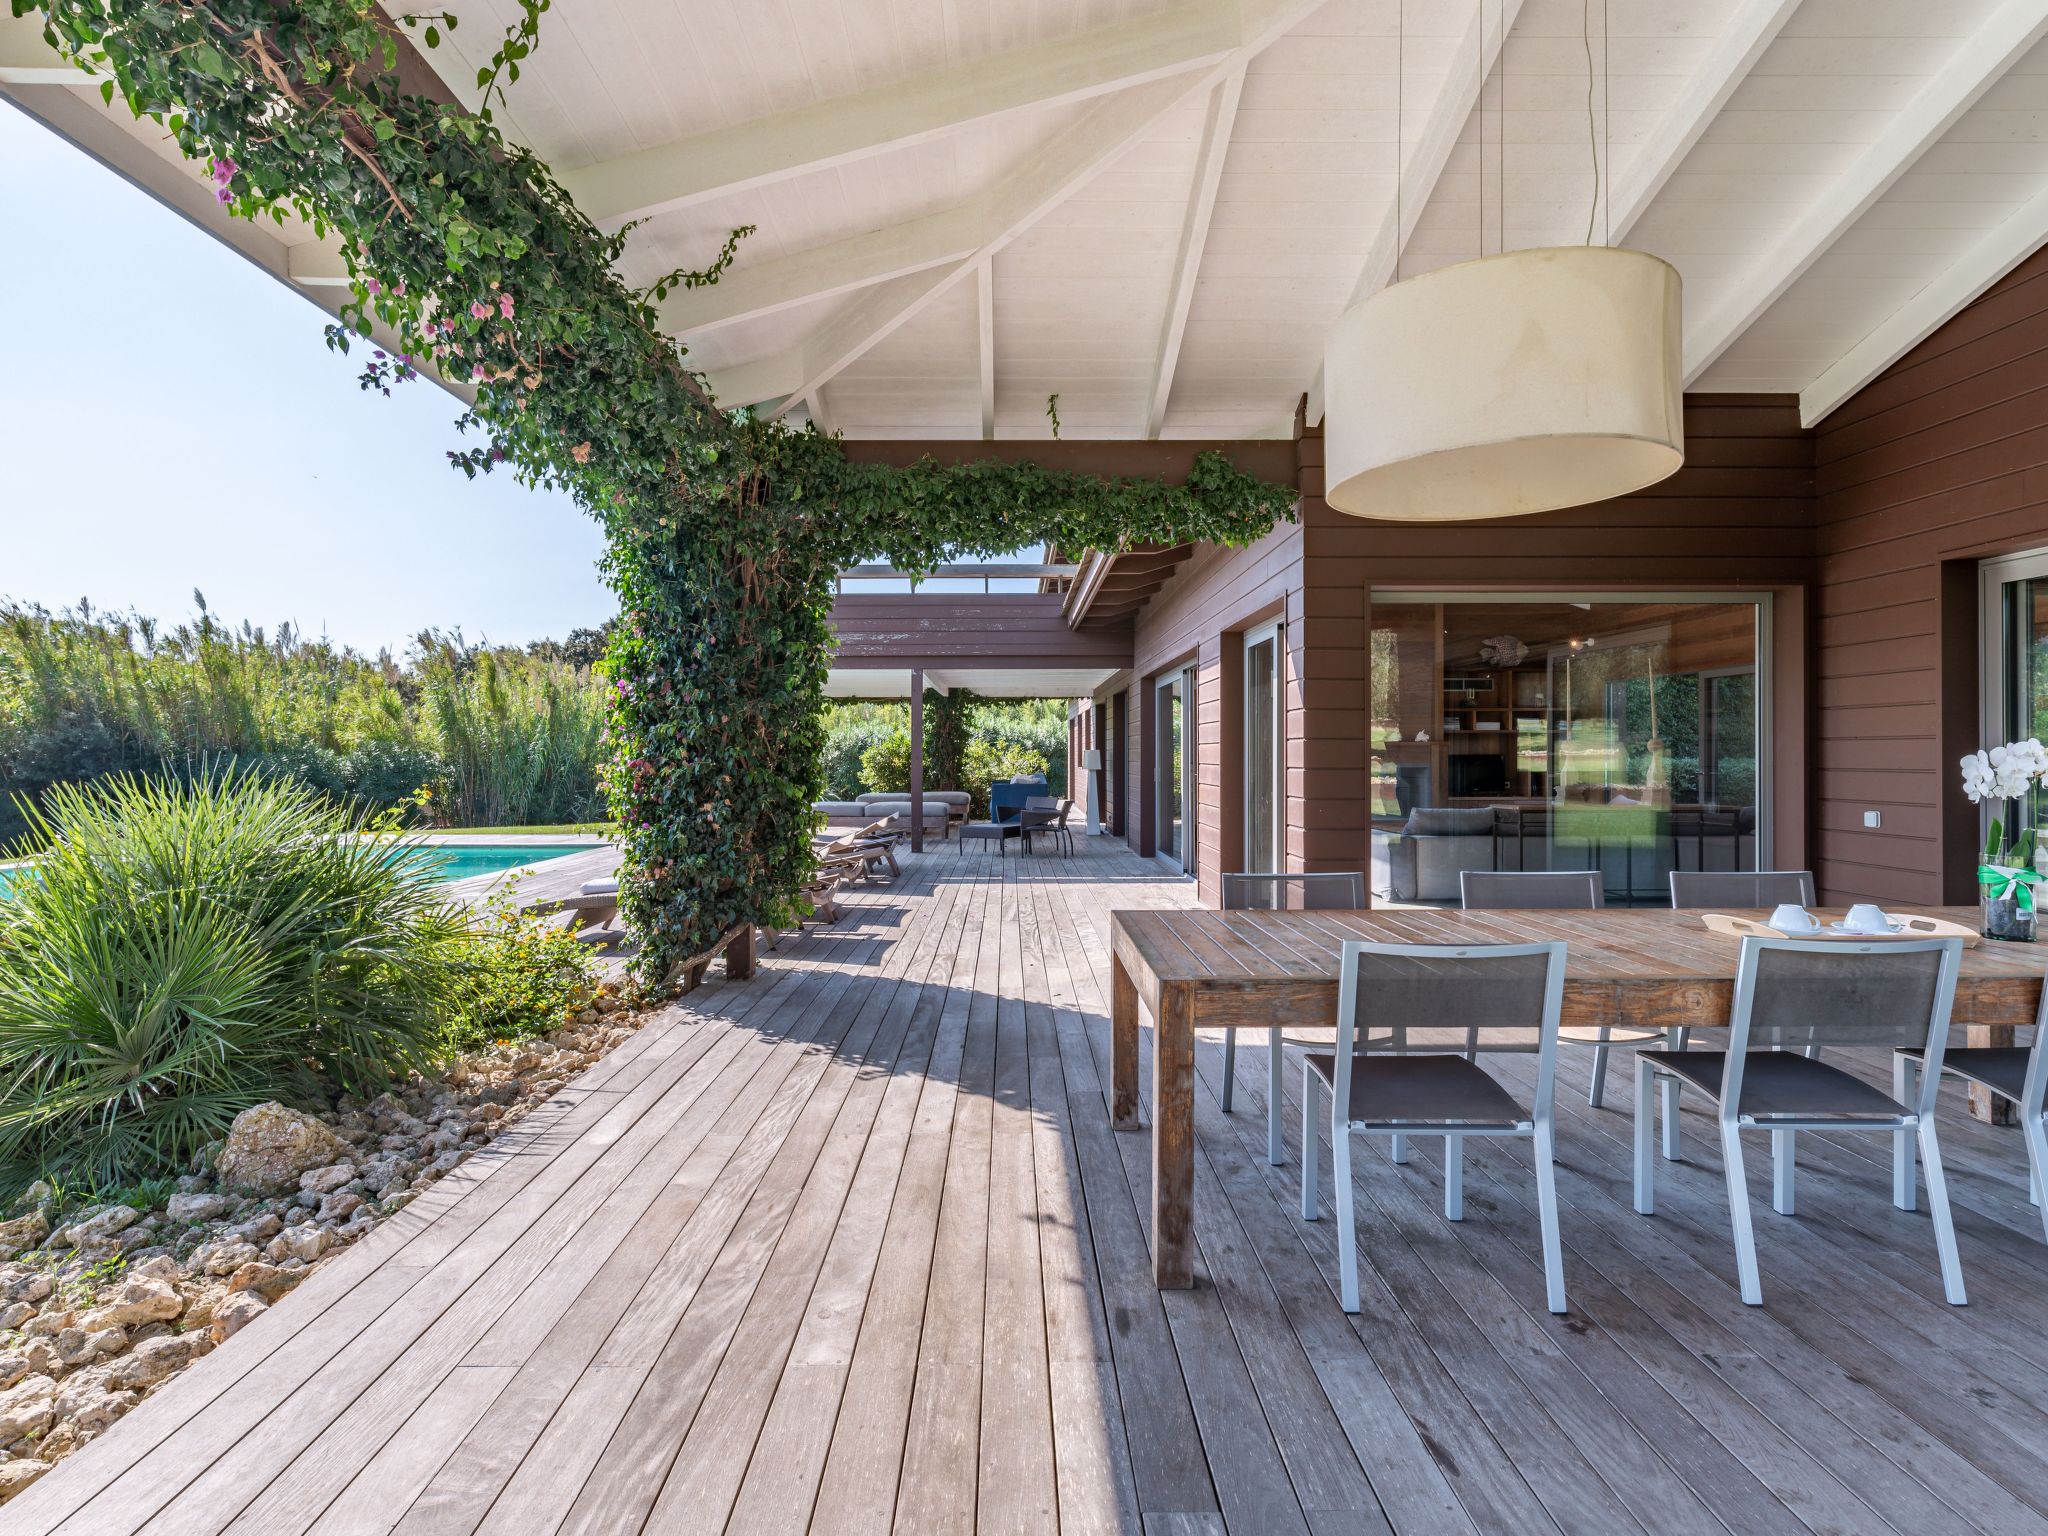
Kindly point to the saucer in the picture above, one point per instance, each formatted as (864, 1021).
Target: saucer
(1865, 933)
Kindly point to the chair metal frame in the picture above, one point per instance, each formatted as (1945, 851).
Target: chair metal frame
(1540, 1126)
(1604, 1036)
(1234, 886)
(1916, 1121)
(2031, 1108)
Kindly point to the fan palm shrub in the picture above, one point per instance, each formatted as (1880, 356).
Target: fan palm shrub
(184, 950)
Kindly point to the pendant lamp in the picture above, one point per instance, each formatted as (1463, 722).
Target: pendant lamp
(1515, 383)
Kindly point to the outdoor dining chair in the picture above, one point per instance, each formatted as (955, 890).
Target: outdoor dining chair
(1043, 814)
(1576, 890)
(1739, 888)
(1398, 1069)
(2013, 1072)
(1794, 993)
(1325, 892)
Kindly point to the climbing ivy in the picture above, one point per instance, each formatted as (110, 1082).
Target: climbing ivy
(724, 531)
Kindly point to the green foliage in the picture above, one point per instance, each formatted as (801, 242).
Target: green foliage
(185, 950)
(992, 759)
(497, 734)
(947, 721)
(850, 729)
(885, 766)
(521, 977)
(725, 532)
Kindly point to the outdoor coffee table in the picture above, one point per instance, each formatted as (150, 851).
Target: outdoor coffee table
(972, 831)
(1654, 969)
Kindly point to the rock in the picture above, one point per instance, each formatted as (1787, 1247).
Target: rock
(196, 1207)
(233, 1315)
(80, 1346)
(162, 1267)
(305, 1242)
(157, 1358)
(200, 1309)
(20, 1283)
(12, 1369)
(257, 1230)
(322, 1181)
(42, 1357)
(226, 1258)
(136, 1301)
(100, 1413)
(27, 1408)
(76, 1394)
(14, 1315)
(18, 1474)
(50, 1323)
(100, 1226)
(269, 1147)
(22, 1233)
(266, 1280)
(339, 1206)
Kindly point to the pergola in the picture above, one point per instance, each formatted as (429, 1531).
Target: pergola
(1154, 212)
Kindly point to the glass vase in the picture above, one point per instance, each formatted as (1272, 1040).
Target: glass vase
(2006, 892)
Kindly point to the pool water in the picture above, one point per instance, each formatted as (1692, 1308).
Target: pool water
(459, 863)
(453, 862)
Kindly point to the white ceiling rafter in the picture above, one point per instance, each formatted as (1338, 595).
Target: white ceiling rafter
(1194, 235)
(1027, 194)
(909, 111)
(2002, 248)
(1975, 67)
(985, 351)
(1754, 28)
(1472, 62)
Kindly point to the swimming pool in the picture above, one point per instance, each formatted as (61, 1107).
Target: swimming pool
(452, 861)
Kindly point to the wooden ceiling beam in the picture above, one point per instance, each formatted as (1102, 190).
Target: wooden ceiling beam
(1194, 236)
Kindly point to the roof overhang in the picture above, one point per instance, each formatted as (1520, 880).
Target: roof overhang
(882, 682)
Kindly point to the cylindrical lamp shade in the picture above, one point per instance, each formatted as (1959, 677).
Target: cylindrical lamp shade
(1091, 760)
(1516, 383)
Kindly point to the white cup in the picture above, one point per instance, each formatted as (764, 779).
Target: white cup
(1866, 918)
(1790, 917)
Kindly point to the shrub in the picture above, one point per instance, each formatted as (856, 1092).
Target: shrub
(847, 741)
(885, 766)
(186, 950)
(386, 774)
(315, 767)
(520, 977)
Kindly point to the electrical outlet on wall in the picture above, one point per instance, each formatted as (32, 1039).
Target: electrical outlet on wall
(1873, 818)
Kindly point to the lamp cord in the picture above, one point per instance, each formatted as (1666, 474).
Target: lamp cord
(1592, 131)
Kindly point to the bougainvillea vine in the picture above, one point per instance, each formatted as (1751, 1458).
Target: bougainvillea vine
(724, 532)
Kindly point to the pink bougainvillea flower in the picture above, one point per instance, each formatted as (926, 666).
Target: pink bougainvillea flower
(580, 453)
(373, 285)
(223, 195)
(479, 310)
(476, 370)
(505, 305)
(224, 170)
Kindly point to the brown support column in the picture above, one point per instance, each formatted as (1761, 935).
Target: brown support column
(917, 759)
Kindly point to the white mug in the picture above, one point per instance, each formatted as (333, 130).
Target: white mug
(1866, 918)
(1790, 917)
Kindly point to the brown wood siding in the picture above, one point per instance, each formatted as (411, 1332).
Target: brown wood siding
(996, 629)
(1739, 517)
(1940, 462)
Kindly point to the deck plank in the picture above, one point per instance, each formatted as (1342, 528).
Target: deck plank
(853, 1247)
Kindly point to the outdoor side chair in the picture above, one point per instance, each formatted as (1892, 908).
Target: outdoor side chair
(2017, 1073)
(1343, 891)
(1041, 813)
(1399, 1068)
(1573, 890)
(1794, 993)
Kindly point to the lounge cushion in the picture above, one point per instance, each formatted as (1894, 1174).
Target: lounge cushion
(1782, 1084)
(1449, 821)
(1407, 1089)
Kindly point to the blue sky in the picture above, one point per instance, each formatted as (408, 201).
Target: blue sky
(173, 420)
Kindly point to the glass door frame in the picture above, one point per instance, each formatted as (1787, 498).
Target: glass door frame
(2001, 662)
(1275, 854)
(1766, 780)
(1181, 678)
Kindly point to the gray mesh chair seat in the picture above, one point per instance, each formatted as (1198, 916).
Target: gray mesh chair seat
(1399, 1006)
(2016, 1073)
(1419, 1091)
(1784, 1084)
(1338, 891)
(2001, 1068)
(1793, 996)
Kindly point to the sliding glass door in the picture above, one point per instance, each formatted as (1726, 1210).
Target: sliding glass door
(1264, 741)
(1173, 775)
(1618, 734)
(2014, 612)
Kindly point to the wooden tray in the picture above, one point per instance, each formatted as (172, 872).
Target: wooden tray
(1915, 928)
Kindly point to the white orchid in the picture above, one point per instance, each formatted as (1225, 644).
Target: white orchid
(2005, 773)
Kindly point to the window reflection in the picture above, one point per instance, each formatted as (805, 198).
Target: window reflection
(1613, 736)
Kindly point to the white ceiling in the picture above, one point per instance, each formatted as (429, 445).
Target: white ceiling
(1156, 210)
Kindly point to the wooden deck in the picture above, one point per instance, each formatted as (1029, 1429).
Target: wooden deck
(853, 1247)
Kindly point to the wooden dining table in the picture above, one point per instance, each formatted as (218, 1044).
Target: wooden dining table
(1626, 969)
